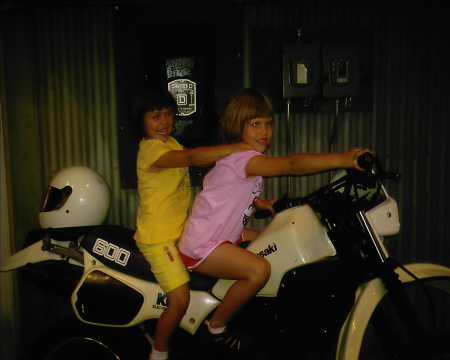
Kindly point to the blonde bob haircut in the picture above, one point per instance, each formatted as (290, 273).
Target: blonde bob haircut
(244, 105)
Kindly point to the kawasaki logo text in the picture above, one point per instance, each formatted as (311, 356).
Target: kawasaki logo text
(269, 250)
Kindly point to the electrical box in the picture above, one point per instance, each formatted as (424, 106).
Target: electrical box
(301, 71)
(340, 71)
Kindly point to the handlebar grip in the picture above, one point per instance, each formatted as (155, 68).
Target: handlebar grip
(262, 214)
(366, 160)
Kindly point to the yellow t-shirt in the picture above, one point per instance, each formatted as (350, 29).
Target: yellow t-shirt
(164, 195)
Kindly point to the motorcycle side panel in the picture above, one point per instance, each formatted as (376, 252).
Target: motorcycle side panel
(368, 297)
(115, 247)
(293, 238)
(107, 297)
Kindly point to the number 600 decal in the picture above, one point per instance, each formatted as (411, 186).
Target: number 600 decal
(111, 252)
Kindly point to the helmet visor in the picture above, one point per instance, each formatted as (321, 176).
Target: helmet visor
(56, 198)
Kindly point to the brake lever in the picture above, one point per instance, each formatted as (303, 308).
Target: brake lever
(392, 176)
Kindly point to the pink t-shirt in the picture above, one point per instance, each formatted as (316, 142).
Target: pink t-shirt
(222, 209)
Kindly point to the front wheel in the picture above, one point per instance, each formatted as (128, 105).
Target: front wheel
(388, 337)
(73, 340)
(372, 333)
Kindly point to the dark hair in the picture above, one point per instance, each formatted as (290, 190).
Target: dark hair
(244, 105)
(149, 97)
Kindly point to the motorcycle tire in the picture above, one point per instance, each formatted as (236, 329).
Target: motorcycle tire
(71, 339)
(430, 300)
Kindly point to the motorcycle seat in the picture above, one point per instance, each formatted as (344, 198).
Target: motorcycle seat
(122, 254)
(201, 282)
(115, 247)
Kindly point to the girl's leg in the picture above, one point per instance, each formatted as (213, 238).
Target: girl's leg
(178, 302)
(231, 262)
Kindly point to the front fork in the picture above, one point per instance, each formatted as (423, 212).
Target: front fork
(395, 321)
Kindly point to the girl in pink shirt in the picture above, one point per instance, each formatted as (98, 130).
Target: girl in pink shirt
(231, 190)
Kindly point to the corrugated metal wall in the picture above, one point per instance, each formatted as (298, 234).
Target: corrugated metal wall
(69, 107)
(61, 105)
(77, 97)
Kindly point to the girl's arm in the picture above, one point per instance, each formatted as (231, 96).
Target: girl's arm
(201, 156)
(302, 163)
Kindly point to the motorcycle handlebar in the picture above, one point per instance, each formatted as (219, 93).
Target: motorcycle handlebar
(370, 162)
(262, 214)
(366, 161)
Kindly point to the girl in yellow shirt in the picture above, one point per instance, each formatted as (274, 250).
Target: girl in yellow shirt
(164, 200)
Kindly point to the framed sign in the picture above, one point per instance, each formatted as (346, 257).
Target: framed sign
(184, 92)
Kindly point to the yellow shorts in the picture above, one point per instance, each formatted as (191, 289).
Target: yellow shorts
(166, 264)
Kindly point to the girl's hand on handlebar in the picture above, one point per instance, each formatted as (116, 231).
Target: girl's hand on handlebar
(357, 162)
(265, 205)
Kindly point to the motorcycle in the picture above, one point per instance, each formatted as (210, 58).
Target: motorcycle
(334, 290)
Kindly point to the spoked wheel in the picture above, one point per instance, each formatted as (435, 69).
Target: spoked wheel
(82, 348)
(73, 340)
(388, 338)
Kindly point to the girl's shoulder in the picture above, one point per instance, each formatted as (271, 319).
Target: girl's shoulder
(237, 161)
(243, 155)
(171, 144)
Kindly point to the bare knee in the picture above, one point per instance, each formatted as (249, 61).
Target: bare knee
(182, 304)
(178, 301)
(261, 272)
(266, 270)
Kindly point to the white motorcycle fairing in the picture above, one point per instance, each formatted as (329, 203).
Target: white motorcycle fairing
(32, 254)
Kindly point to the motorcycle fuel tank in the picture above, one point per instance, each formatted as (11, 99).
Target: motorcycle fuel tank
(293, 238)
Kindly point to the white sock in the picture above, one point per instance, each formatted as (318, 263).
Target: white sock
(215, 330)
(159, 355)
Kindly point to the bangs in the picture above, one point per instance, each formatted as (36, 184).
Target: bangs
(255, 105)
(155, 99)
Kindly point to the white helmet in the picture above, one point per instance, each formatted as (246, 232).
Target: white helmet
(76, 196)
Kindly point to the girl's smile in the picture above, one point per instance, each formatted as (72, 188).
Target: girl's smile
(158, 124)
